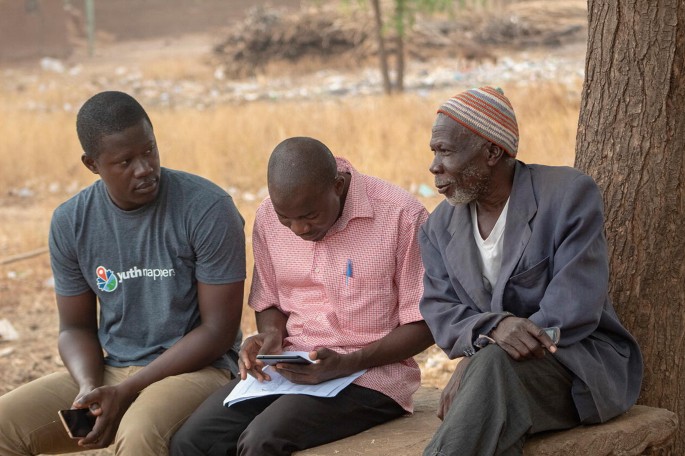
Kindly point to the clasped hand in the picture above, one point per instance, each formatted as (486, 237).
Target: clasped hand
(108, 404)
(522, 339)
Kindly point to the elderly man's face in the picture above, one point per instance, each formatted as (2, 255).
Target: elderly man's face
(460, 161)
(309, 212)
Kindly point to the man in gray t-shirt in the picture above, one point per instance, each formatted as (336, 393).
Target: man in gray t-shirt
(149, 267)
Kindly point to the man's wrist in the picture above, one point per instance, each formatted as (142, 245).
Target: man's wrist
(485, 339)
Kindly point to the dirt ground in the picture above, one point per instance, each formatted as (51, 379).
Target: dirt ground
(26, 291)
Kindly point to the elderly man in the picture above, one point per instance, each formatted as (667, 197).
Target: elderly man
(515, 249)
(337, 274)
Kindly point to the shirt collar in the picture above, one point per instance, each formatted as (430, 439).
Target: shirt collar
(357, 203)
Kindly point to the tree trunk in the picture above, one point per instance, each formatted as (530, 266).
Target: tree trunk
(631, 139)
(380, 40)
(400, 19)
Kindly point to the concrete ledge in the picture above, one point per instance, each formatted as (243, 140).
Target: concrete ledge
(630, 434)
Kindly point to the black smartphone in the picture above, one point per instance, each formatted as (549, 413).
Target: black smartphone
(77, 422)
(283, 358)
(554, 333)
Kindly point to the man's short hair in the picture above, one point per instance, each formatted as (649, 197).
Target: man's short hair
(104, 114)
(301, 161)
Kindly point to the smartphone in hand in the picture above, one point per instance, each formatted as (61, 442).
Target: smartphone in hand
(77, 422)
(284, 358)
(554, 333)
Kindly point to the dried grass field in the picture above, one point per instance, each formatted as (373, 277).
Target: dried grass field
(228, 143)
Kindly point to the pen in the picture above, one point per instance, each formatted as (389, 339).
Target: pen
(348, 271)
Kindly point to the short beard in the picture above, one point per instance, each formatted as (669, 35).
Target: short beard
(468, 195)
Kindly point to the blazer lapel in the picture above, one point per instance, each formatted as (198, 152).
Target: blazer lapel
(522, 209)
(462, 257)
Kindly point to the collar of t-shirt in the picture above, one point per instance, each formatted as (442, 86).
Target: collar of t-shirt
(490, 249)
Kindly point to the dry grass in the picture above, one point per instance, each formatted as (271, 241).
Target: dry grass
(230, 144)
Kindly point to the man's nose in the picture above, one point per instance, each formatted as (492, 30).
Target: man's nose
(142, 167)
(435, 166)
(299, 227)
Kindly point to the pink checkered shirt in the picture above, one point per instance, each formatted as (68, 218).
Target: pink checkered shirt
(307, 280)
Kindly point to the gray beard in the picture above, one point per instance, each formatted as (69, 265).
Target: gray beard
(461, 196)
(468, 195)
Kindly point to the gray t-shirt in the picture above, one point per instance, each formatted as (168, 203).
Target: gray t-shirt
(144, 264)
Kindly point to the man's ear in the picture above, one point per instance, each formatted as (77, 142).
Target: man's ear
(495, 154)
(339, 184)
(89, 163)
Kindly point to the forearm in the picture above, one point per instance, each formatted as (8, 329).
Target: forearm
(399, 344)
(196, 350)
(272, 320)
(81, 353)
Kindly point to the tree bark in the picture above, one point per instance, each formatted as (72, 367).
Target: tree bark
(380, 40)
(400, 19)
(631, 139)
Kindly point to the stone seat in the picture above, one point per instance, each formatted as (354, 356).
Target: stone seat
(639, 429)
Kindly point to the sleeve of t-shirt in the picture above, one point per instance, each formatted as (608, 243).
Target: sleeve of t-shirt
(409, 270)
(219, 243)
(69, 280)
(264, 291)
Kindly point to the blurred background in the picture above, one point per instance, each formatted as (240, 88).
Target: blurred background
(225, 80)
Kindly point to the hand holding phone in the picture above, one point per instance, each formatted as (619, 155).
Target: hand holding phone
(295, 358)
(554, 333)
(77, 422)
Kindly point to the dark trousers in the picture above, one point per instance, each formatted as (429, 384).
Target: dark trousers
(500, 401)
(279, 424)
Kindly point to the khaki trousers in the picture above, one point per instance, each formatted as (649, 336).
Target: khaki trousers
(29, 424)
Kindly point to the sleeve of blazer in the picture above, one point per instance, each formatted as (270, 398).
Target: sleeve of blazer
(454, 324)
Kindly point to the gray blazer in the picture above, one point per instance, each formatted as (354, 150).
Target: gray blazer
(554, 272)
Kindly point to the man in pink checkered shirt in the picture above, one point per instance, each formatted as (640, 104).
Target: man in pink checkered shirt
(338, 274)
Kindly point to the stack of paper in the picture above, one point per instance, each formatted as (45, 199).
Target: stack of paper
(251, 388)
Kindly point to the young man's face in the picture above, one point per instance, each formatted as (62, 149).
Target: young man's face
(128, 164)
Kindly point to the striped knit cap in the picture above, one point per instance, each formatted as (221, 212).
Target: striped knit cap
(487, 113)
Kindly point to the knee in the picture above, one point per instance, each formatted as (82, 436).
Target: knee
(143, 440)
(488, 365)
(251, 439)
(257, 440)
(185, 442)
(491, 356)
(12, 437)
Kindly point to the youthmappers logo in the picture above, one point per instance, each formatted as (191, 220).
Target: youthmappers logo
(106, 279)
(109, 280)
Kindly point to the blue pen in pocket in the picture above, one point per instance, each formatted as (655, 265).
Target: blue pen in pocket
(348, 271)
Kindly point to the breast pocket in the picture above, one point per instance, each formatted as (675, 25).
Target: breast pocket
(525, 290)
(367, 304)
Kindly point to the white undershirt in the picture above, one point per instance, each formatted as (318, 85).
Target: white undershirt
(491, 248)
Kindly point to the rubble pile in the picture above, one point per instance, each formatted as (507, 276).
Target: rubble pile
(266, 36)
(536, 23)
(326, 34)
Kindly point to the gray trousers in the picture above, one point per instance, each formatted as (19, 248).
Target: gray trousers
(280, 424)
(500, 401)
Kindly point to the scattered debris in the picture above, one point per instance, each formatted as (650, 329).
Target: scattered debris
(7, 331)
(23, 256)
